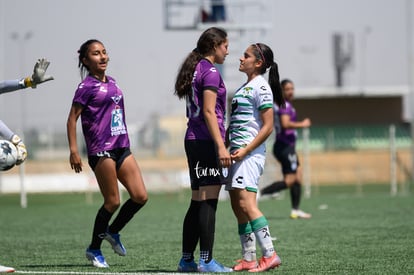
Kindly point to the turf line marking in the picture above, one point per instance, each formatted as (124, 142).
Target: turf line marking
(92, 273)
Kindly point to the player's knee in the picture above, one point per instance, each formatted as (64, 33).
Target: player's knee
(140, 198)
(112, 206)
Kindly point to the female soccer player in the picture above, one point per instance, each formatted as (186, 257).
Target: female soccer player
(251, 122)
(285, 152)
(7, 86)
(200, 84)
(100, 103)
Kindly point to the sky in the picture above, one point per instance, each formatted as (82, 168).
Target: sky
(145, 56)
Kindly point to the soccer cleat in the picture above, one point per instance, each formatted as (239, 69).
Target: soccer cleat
(184, 266)
(304, 215)
(212, 266)
(267, 263)
(95, 256)
(115, 241)
(6, 269)
(244, 265)
(295, 214)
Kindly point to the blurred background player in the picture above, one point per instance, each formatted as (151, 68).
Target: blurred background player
(285, 152)
(199, 82)
(251, 123)
(100, 103)
(6, 86)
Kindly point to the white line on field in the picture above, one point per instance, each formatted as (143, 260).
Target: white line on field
(93, 273)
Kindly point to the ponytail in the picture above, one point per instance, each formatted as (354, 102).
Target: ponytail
(185, 75)
(274, 82)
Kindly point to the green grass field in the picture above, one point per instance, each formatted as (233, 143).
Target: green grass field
(358, 233)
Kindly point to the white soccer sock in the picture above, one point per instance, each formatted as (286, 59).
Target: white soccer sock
(260, 228)
(265, 241)
(248, 244)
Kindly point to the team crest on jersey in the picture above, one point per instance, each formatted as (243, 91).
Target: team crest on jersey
(117, 122)
(213, 69)
(246, 91)
(116, 98)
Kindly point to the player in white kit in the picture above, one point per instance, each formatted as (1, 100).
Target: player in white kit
(251, 122)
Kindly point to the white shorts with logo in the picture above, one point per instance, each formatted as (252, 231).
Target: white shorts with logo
(245, 174)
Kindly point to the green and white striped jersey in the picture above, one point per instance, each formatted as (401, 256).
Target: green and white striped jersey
(245, 120)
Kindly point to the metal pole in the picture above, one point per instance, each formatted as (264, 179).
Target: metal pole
(306, 165)
(393, 161)
(410, 77)
(21, 40)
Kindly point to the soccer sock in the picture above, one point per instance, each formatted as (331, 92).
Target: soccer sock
(295, 194)
(248, 242)
(101, 223)
(274, 187)
(191, 231)
(260, 227)
(126, 213)
(207, 223)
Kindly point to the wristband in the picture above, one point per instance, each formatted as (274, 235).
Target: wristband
(28, 82)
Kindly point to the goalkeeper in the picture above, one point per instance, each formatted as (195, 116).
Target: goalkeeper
(38, 76)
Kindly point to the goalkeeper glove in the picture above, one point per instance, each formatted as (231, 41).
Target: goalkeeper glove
(38, 75)
(21, 149)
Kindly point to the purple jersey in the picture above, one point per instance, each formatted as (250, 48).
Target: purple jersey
(287, 136)
(103, 117)
(206, 76)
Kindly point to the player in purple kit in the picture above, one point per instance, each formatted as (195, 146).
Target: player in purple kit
(100, 104)
(284, 150)
(200, 84)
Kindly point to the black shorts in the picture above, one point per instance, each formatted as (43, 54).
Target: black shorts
(286, 155)
(203, 164)
(118, 155)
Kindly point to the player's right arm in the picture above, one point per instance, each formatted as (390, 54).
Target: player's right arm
(289, 124)
(74, 158)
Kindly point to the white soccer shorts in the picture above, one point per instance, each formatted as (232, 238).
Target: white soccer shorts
(245, 174)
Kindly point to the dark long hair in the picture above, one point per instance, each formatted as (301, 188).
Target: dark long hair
(264, 53)
(208, 41)
(83, 51)
(285, 81)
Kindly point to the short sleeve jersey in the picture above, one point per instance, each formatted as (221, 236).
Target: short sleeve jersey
(206, 76)
(245, 121)
(103, 116)
(287, 136)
